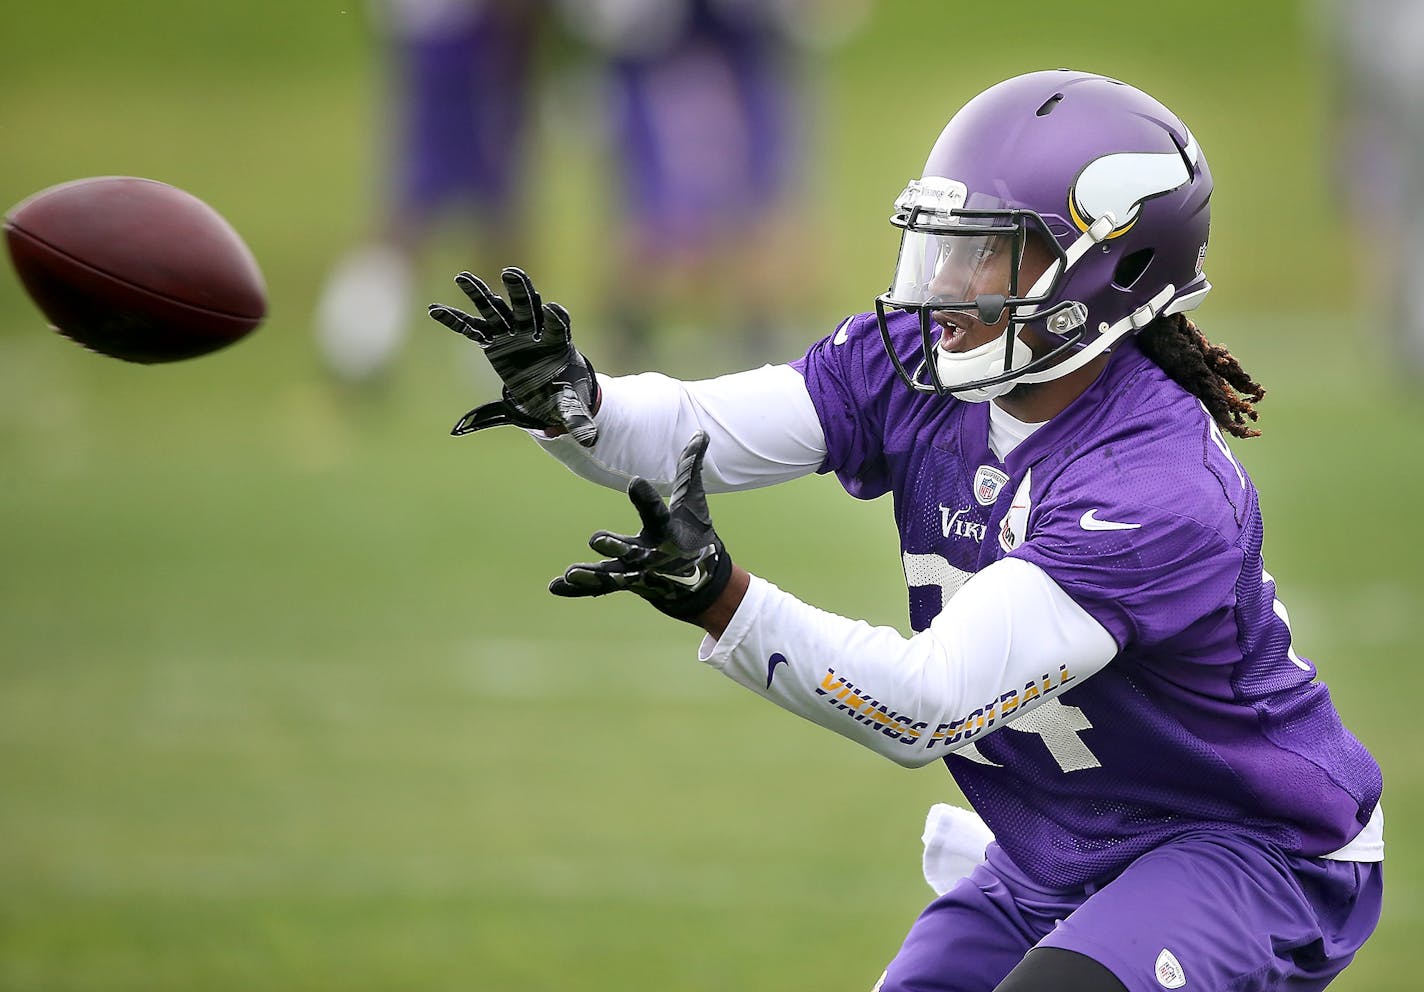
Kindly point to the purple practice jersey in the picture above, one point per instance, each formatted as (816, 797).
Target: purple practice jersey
(1131, 500)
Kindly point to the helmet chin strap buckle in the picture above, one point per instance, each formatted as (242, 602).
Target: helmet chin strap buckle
(1099, 229)
(1110, 336)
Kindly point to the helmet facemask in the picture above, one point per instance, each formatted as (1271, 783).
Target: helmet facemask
(962, 266)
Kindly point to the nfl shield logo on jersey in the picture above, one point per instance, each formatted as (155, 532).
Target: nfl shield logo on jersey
(988, 483)
(1169, 971)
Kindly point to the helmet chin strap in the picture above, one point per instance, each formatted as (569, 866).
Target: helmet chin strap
(1096, 233)
(1109, 336)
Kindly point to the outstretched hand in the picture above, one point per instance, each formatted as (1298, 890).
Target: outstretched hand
(676, 562)
(548, 383)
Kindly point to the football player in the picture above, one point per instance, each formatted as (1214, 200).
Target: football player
(1100, 658)
(680, 77)
(1377, 150)
(462, 78)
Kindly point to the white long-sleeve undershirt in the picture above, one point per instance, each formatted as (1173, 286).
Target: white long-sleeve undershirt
(762, 429)
(1009, 640)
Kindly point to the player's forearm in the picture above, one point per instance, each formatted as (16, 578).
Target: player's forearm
(762, 426)
(911, 699)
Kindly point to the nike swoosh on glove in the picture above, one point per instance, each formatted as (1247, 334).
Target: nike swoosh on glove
(676, 562)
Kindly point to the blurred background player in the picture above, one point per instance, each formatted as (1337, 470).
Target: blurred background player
(1378, 153)
(459, 74)
(708, 107)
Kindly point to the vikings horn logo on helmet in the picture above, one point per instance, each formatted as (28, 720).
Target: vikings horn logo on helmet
(1118, 184)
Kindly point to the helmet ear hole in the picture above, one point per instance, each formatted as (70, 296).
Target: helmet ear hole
(1130, 269)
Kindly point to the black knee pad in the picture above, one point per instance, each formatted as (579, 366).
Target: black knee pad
(1052, 969)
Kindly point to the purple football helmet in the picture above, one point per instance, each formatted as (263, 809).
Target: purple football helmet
(1101, 177)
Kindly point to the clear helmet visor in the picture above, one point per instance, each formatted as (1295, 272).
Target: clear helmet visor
(953, 269)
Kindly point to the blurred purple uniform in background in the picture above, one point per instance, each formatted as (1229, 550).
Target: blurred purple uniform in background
(707, 126)
(460, 75)
(1378, 151)
(708, 111)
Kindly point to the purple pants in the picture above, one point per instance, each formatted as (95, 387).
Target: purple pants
(1206, 913)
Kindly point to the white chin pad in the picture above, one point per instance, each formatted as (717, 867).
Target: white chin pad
(984, 362)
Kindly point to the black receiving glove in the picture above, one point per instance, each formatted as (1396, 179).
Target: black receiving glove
(676, 562)
(547, 382)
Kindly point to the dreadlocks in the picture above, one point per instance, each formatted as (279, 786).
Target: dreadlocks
(1207, 371)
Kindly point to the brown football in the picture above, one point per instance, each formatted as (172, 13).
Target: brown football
(135, 268)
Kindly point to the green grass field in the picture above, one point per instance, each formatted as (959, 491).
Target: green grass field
(283, 702)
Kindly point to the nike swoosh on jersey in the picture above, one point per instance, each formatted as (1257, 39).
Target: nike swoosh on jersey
(777, 658)
(1090, 521)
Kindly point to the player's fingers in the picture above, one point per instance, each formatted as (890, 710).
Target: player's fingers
(558, 325)
(651, 509)
(460, 322)
(611, 545)
(587, 579)
(524, 301)
(562, 587)
(689, 463)
(489, 303)
(687, 491)
(495, 414)
(576, 417)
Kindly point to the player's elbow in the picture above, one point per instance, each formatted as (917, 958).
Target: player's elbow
(911, 757)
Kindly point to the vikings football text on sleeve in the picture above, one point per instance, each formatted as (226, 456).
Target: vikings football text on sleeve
(1009, 641)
